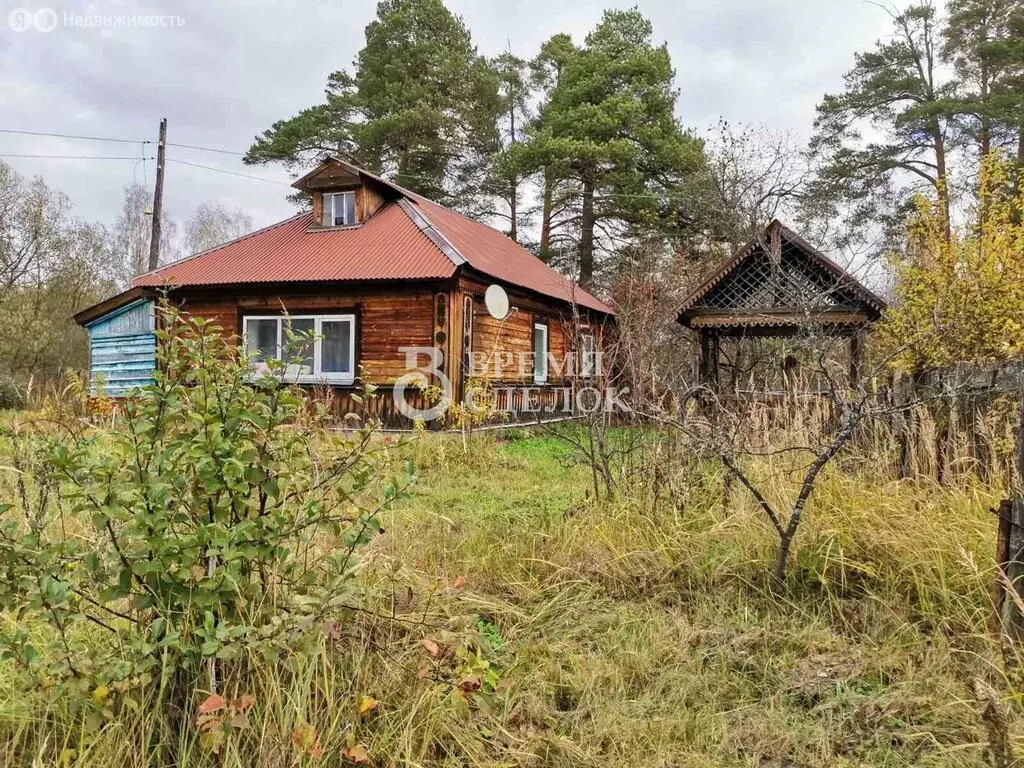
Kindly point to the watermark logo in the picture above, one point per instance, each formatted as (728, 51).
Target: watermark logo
(22, 19)
(46, 20)
(425, 374)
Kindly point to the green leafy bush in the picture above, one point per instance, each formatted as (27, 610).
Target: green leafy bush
(217, 526)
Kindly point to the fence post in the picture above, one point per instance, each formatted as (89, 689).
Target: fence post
(1014, 570)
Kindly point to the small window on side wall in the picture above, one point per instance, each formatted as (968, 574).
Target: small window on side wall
(590, 362)
(339, 209)
(540, 353)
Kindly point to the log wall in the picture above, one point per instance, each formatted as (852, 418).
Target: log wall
(427, 314)
(387, 319)
(503, 342)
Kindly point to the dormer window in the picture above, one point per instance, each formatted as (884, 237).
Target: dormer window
(339, 209)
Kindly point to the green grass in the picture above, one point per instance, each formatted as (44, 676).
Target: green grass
(625, 634)
(646, 637)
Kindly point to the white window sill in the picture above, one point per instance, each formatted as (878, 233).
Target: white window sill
(332, 227)
(336, 380)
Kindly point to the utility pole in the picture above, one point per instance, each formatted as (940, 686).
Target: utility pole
(158, 197)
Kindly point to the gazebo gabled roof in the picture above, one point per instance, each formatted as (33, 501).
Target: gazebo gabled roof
(776, 283)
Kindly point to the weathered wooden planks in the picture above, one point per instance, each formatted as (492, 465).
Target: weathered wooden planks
(122, 349)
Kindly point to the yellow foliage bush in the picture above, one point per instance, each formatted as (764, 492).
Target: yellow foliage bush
(960, 293)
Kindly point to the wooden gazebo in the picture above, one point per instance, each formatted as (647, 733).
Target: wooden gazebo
(778, 284)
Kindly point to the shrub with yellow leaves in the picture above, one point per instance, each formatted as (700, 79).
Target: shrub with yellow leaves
(960, 296)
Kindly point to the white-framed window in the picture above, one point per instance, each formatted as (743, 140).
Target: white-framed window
(590, 363)
(339, 209)
(540, 353)
(329, 357)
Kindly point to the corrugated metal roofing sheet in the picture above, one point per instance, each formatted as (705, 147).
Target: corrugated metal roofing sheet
(495, 254)
(389, 246)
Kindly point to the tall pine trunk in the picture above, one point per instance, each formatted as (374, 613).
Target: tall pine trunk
(545, 220)
(513, 192)
(513, 230)
(985, 140)
(941, 180)
(586, 254)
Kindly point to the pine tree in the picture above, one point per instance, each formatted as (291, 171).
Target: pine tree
(506, 176)
(608, 130)
(984, 40)
(897, 92)
(556, 193)
(418, 108)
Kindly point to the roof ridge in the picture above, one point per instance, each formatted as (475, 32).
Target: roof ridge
(222, 245)
(446, 246)
(720, 272)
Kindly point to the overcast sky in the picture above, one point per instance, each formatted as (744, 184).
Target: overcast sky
(232, 68)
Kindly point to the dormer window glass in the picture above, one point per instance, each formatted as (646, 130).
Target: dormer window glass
(339, 209)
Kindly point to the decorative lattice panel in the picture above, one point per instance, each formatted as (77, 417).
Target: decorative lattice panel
(796, 282)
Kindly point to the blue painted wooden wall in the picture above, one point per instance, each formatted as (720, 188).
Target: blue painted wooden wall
(122, 349)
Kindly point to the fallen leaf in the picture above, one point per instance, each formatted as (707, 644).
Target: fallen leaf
(432, 647)
(357, 754)
(212, 703)
(243, 702)
(208, 722)
(367, 704)
(304, 736)
(471, 683)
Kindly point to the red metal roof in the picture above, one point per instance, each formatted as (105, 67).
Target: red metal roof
(411, 239)
(389, 246)
(499, 256)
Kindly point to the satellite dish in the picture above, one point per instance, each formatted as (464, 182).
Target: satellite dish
(496, 301)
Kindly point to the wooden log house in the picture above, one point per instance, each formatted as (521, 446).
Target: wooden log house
(372, 269)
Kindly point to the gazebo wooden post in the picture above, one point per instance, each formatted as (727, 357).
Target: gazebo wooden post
(856, 357)
(709, 359)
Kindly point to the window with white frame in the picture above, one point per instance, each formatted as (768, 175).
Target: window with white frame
(339, 209)
(540, 353)
(590, 364)
(313, 348)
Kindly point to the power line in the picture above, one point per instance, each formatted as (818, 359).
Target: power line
(599, 196)
(230, 173)
(77, 157)
(119, 141)
(74, 136)
(207, 149)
